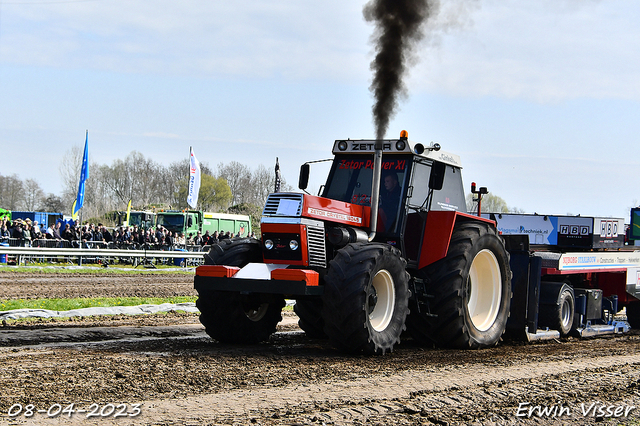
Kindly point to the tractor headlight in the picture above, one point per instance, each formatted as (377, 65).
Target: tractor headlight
(268, 244)
(293, 245)
(401, 145)
(343, 145)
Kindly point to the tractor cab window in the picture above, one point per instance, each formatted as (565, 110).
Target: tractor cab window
(420, 192)
(350, 181)
(449, 197)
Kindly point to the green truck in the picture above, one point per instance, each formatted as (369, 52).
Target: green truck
(191, 221)
(144, 219)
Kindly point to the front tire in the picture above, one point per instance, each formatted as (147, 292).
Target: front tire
(231, 317)
(470, 291)
(365, 301)
(309, 312)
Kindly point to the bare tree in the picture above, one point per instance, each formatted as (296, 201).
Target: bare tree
(51, 203)
(147, 183)
(69, 169)
(11, 192)
(32, 194)
(238, 177)
(262, 184)
(169, 181)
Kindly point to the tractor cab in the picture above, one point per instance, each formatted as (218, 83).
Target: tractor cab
(414, 180)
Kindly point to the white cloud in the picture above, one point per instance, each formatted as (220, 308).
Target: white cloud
(317, 39)
(540, 50)
(544, 51)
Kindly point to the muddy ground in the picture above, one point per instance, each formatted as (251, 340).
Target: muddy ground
(178, 375)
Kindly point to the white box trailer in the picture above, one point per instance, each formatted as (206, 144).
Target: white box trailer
(562, 231)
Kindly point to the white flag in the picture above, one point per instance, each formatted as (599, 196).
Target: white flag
(194, 180)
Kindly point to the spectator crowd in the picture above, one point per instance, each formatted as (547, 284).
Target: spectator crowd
(71, 234)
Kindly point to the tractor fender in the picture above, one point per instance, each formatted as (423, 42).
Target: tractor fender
(438, 231)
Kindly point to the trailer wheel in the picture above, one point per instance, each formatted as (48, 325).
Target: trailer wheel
(310, 313)
(470, 291)
(633, 314)
(558, 308)
(565, 312)
(230, 317)
(365, 301)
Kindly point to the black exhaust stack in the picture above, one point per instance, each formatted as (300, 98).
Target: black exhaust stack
(398, 28)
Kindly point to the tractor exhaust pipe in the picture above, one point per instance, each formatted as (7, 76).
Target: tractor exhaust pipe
(375, 188)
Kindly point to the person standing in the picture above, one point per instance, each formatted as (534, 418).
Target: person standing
(197, 240)
(206, 238)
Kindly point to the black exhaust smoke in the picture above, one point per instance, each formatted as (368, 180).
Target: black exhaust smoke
(398, 29)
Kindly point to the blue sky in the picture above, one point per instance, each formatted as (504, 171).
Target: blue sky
(540, 98)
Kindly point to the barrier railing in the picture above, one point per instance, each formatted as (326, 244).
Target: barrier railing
(187, 256)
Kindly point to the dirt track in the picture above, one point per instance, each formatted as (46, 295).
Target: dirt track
(66, 285)
(180, 376)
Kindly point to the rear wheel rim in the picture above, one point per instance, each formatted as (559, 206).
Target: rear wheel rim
(484, 290)
(381, 300)
(566, 313)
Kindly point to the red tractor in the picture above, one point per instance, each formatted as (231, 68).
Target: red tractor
(386, 249)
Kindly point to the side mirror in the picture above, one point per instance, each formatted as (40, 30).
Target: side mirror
(190, 221)
(436, 179)
(303, 180)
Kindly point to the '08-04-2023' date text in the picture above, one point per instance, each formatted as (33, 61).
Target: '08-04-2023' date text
(69, 410)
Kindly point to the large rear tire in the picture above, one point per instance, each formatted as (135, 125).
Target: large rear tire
(470, 289)
(231, 317)
(365, 301)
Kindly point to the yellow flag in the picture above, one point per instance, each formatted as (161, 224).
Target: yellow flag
(74, 213)
(128, 213)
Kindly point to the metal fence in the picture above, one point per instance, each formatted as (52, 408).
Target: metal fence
(22, 252)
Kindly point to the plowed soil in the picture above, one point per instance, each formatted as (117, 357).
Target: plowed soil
(178, 375)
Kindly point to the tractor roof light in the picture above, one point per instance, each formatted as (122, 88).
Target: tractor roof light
(404, 134)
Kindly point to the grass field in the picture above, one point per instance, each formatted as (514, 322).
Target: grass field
(77, 303)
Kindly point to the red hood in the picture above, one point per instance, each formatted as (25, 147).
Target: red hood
(325, 209)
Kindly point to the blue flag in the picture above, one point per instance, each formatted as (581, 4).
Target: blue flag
(84, 174)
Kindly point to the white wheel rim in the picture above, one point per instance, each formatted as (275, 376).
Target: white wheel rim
(382, 312)
(484, 291)
(566, 313)
(257, 314)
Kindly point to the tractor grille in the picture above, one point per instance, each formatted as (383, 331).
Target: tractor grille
(317, 248)
(283, 204)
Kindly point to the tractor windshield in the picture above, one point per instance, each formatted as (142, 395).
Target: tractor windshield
(350, 181)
